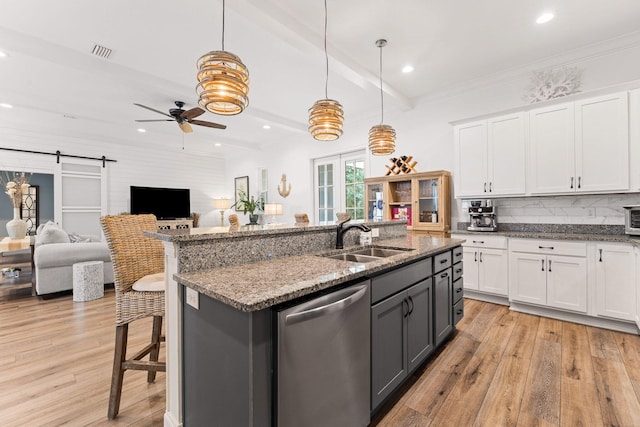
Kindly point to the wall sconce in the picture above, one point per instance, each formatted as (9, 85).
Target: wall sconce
(272, 209)
(222, 205)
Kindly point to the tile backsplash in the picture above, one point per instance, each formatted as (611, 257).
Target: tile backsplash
(603, 209)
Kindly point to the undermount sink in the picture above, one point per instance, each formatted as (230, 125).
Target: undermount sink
(367, 254)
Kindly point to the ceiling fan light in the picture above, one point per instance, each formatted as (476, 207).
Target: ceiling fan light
(223, 83)
(325, 120)
(382, 140)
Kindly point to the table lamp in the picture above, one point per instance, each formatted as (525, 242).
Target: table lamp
(222, 205)
(272, 209)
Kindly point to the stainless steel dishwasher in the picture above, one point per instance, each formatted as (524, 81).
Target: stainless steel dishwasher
(323, 360)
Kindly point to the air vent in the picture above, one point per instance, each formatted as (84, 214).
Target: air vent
(101, 51)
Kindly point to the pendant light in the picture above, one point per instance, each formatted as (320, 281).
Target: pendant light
(382, 138)
(223, 81)
(326, 115)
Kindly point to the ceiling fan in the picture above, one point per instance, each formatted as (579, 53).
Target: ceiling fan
(184, 118)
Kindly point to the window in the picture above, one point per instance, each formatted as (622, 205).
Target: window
(339, 186)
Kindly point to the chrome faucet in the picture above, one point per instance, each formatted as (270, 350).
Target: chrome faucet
(341, 231)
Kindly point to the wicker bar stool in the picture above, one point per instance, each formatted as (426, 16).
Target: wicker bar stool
(138, 270)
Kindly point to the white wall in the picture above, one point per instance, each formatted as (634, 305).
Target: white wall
(204, 176)
(425, 133)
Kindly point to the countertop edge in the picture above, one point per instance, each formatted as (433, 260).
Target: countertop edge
(594, 237)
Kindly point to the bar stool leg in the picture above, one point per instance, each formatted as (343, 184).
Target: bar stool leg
(119, 355)
(155, 351)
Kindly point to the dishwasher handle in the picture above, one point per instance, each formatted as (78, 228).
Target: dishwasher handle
(328, 304)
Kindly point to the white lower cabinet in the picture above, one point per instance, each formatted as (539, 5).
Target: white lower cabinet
(486, 264)
(541, 274)
(615, 281)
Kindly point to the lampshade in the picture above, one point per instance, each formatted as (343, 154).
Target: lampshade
(325, 120)
(382, 140)
(273, 209)
(223, 83)
(221, 204)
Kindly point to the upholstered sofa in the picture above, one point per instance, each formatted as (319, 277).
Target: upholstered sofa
(55, 253)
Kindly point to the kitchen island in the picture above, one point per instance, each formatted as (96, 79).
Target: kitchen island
(237, 279)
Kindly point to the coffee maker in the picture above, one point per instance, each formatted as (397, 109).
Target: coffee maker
(482, 216)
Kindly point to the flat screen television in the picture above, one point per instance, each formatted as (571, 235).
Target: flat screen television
(164, 203)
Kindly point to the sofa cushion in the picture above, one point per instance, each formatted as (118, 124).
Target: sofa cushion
(51, 233)
(67, 254)
(150, 283)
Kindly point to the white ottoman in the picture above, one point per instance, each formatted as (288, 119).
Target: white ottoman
(88, 280)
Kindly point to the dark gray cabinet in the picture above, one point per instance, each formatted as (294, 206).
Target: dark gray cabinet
(442, 307)
(401, 338)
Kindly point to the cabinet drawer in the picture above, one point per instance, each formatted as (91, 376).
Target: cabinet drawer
(457, 290)
(441, 261)
(458, 311)
(401, 278)
(457, 254)
(483, 240)
(548, 247)
(457, 271)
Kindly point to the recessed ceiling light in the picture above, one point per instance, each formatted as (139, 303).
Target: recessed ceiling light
(407, 68)
(3, 54)
(217, 144)
(544, 18)
(266, 127)
(141, 130)
(6, 105)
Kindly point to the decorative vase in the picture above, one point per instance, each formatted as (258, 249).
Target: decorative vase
(253, 219)
(17, 228)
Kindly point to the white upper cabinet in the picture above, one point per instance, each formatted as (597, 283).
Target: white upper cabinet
(581, 146)
(602, 143)
(551, 149)
(490, 157)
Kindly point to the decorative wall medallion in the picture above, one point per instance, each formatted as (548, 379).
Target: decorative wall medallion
(284, 191)
(402, 164)
(550, 84)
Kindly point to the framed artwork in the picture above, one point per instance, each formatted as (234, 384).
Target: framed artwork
(241, 186)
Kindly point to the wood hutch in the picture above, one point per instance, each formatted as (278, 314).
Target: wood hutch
(423, 199)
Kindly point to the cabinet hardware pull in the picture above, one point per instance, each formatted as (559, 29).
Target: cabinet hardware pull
(411, 309)
(475, 256)
(600, 254)
(458, 253)
(458, 270)
(442, 261)
(549, 266)
(458, 290)
(490, 185)
(542, 264)
(571, 182)
(479, 241)
(480, 256)
(459, 312)
(443, 275)
(405, 314)
(485, 187)
(579, 179)
(545, 247)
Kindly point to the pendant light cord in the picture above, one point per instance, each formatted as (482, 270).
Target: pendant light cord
(223, 8)
(381, 92)
(326, 55)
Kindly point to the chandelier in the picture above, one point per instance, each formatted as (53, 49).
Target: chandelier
(326, 115)
(223, 81)
(382, 138)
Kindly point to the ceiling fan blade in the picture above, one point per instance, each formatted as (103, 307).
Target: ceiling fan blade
(192, 113)
(156, 120)
(207, 124)
(154, 110)
(186, 127)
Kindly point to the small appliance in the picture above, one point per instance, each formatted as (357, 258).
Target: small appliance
(482, 216)
(632, 220)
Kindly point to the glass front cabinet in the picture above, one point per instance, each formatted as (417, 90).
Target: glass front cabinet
(423, 199)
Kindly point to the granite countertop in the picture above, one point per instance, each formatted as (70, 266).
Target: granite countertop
(257, 286)
(589, 237)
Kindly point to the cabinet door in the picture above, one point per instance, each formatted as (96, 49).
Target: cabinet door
(388, 346)
(493, 271)
(567, 282)
(470, 262)
(419, 323)
(551, 154)
(471, 159)
(615, 281)
(602, 143)
(443, 307)
(426, 200)
(506, 155)
(527, 274)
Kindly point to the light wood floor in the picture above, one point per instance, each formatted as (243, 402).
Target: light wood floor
(501, 368)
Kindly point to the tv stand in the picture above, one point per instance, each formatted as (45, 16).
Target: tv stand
(175, 224)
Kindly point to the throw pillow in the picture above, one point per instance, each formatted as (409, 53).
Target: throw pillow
(41, 226)
(77, 238)
(51, 233)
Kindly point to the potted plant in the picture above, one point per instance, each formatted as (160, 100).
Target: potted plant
(250, 204)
